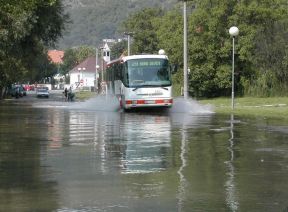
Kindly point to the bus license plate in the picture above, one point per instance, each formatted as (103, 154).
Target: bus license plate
(150, 102)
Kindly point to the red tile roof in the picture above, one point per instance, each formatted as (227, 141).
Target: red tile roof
(89, 65)
(56, 56)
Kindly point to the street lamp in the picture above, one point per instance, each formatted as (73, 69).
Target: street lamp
(102, 64)
(96, 70)
(129, 34)
(233, 31)
(96, 78)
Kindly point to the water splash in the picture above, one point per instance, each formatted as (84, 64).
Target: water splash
(98, 103)
(109, 103)
(190, 106)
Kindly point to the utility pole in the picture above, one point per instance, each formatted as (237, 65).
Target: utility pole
(102, 65)
(185, 50)
(129, 34)
(96, 68)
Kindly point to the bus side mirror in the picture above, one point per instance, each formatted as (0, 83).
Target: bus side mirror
(174, 68)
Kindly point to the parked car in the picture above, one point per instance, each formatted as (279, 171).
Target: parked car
(42, 92)
(17, 91)
(28, 87)
(23, 90)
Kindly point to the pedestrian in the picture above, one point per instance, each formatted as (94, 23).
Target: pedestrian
(70, 94)
(66, 94)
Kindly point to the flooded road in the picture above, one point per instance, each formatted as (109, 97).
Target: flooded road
(88, 156)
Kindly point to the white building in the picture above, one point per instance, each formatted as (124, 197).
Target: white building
(84, 74)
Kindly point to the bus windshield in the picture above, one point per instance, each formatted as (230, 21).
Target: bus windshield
(148, 72)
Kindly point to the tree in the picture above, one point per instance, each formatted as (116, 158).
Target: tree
(141, 24)
(118, 49)
(169, 31)
(26, 29)
(266, 53)
(209, 48)
(261, 56)
(210, 44)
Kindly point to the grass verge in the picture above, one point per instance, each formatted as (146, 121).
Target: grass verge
(84, 95)
(273, 107)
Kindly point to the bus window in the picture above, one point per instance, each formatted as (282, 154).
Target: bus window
(163, 74)
(147, 72)
(125, 78)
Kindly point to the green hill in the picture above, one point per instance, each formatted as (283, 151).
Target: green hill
(94, 20)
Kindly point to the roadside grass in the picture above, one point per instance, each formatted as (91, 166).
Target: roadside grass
(272, 107)
(84, 95)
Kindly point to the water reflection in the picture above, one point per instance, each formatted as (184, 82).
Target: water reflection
(121, 141)
(22, 173)
(230, 185)
(101, 146)
(182, 179)
(75, 159)
(145, 152)
(114, 143)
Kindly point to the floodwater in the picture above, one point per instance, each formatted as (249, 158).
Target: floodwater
(89, 156)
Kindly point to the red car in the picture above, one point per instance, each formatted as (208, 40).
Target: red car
(28, 87)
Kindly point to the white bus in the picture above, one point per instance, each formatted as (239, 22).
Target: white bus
(140, 81)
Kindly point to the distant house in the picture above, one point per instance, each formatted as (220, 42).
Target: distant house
(83, 74)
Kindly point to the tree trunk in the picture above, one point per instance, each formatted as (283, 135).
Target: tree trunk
(1, 93)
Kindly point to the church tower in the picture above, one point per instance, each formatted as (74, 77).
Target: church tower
(106, 53)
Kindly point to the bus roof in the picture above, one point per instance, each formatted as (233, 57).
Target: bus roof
(132, 57)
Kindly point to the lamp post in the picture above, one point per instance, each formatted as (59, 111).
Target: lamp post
(233, 31)
(185, 67)
(102, 64)
(96, 70)
(96, 79)
(129, 34)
